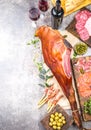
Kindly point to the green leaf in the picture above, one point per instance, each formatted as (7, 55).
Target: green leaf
(81, 71)
(42, 76)
(47, 85)
(74, 54)
(49, 77)
(64, 36)
(48, 70)
(33, 42)
(43, 71)
(41, 85)
(40, 66)
(28, 43)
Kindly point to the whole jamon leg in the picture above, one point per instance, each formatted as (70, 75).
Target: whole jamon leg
(57, 57)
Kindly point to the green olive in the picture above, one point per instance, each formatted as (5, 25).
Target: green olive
(63, 118)
(58, 128)
(50, 123)
(56, 118)
(52, 115)
(54, 127)
(56, 113)
(58, 124)
(54, 123)
(60, 120)
(51, 120)
(60, 115)
(64, 121)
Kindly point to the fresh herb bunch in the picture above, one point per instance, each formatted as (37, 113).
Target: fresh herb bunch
(87, 106)
(43, 74)
(33, 42)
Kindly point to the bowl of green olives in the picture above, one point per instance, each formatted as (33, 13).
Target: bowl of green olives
(57, 119)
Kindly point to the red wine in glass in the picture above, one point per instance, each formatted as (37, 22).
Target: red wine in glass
(34, 13)
(43, 5)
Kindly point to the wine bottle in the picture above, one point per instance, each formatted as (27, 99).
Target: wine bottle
(57, 13)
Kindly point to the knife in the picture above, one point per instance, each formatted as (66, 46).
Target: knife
(68, 45)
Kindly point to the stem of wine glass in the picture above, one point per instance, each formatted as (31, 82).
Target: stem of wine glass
(34, 24)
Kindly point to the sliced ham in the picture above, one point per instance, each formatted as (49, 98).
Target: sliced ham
(84, 84)
(84, 64)
(88, 25)
(83, 24)
(83, 33)
(79, 26)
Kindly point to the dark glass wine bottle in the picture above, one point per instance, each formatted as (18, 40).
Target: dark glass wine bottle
(57, 13)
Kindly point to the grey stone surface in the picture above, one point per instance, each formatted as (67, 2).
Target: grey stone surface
(19, 90)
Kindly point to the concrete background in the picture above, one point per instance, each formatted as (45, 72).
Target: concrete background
(19, 89)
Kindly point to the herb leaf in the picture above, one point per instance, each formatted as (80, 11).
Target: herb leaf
(74, 54)
(41, 76)
(64, 36)
(42, 85)
(33, 42)
(39, 66)
(47, 85)
(43, 71)
(48, 77)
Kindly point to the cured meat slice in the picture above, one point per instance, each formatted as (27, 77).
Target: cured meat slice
(84, 35)
(87, 12)
(84, 15)
(84, 84)
(83, 24)
(88, 25)
(79, 26)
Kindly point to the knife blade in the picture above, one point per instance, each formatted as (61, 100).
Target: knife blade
(67, 44)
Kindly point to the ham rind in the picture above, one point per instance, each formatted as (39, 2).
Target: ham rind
(66, 63)
(88, 25)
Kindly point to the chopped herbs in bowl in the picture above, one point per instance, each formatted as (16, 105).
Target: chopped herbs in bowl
(80, 48)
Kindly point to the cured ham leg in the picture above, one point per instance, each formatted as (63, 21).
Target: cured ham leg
(57, 57)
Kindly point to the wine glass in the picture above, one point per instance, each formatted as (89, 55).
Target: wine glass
(34, 14)
(43, 5)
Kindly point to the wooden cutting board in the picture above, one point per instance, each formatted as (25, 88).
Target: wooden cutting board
(76, 75)
(71, 28)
